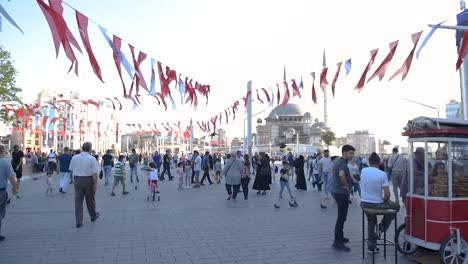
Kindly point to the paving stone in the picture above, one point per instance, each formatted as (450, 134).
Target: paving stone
(190, 226)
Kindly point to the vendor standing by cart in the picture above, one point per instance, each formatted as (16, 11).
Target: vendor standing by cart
(373, 182)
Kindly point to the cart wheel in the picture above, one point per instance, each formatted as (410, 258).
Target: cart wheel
(448, 252)
(402, 244)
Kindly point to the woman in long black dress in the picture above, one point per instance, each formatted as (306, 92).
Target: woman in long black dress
(263, 175)
(301, 183)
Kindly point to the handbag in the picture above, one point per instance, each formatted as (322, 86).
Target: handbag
(101, 173)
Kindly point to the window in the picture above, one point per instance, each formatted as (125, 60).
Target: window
(437, 169)
(459, 156)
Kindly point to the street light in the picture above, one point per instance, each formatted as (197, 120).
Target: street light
(428, 106)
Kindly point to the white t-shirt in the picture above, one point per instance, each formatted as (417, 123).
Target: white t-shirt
(153, 175)
(51, 157)
(372, 182)
(327, 164)
(197, 164)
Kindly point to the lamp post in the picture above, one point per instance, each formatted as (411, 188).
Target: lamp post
(425, 105)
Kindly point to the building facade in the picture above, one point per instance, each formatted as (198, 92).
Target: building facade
(363, 141)
(62, 120)
(292, 125)
(453, 110)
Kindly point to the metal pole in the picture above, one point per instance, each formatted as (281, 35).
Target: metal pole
(428, 106)
(249, 117)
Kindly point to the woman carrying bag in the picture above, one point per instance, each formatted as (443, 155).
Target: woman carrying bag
(232, 174)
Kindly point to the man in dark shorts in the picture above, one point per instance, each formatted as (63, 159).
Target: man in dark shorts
(17, 163)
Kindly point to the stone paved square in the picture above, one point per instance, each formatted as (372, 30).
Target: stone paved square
(189, 226)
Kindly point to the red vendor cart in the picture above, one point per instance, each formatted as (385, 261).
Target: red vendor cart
(437, 181)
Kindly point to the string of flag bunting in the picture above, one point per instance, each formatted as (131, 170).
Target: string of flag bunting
(189, 90)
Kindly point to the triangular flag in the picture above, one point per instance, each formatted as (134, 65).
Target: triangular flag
(426, 39)
(362, 80)
(314, 94)
(380, 71)
(463, 50)
(407, 64)
(323, 78)
(337, 74)
(4, 13)
(348, 65)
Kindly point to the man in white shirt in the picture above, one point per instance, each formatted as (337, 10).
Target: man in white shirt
(373, 181)
(85, 169)
(197, 167)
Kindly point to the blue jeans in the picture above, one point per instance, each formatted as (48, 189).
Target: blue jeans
(168, 169)
(107, 172)
(284, 184)
(357, 188)
(326, 182)
(134, 170)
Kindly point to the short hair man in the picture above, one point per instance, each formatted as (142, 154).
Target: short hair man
(396, 166)
(17, 163)
(85, 170)
(373, 182)
(6, 173)
(340, 190)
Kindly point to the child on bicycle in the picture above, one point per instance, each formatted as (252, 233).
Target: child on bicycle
(153, 180)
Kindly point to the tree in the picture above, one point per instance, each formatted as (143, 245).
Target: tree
(8, 90)
(328, 137)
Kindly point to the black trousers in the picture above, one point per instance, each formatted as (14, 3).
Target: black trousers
(342, 202)
(245, 187)
(168, 169)
(206, 175)
(232, 190)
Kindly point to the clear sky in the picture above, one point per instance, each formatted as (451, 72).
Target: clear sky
(227, 43)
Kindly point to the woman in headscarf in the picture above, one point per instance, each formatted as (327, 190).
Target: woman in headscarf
(232, 174)
(263, 175)
(300, 177)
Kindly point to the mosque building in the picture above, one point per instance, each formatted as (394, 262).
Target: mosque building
(292, 125)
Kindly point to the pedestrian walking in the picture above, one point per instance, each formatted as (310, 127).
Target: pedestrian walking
(246, 176)
(6, 174)
(205, 165)
(263, 175)
(232, 173)
(85, 170)
(167, 165)
(119, 175)
(285, 173)
(301, 183)
(64, 160)
(17, 163)
(132, 162)
(107, 164)
(197, 168)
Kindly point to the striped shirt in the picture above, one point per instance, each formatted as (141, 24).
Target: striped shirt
(119, 169)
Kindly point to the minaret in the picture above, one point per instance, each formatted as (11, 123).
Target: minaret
(325, 102)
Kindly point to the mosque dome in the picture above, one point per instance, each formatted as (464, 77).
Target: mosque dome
(287, 110)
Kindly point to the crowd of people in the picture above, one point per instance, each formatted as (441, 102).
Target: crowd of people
(338, 177)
